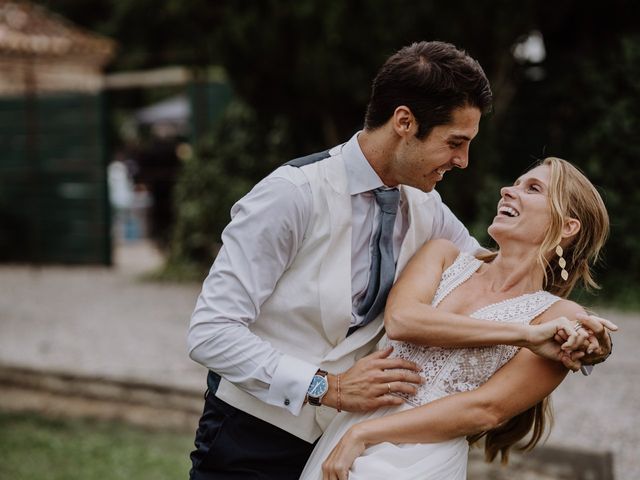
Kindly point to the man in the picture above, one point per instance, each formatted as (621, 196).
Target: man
(296, 293)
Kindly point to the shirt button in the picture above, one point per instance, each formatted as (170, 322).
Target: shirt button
(287, 402)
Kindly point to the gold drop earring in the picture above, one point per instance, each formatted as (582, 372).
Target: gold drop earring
(562, 262)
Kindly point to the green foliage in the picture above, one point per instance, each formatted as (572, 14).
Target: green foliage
(610, 152)
(149, 33)
(311, 62)
(34, 447)
(589, 117)
(240, 150)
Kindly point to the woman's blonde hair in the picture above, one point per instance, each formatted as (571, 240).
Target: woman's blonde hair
(570, 195)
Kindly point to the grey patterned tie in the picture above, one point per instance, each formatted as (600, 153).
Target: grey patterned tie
(383, 265)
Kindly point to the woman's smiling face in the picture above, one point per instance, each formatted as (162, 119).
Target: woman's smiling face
(523, 212)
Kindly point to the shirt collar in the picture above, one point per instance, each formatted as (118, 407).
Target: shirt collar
(361, 176)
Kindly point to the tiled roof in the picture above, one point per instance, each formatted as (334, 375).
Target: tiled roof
(28, 29)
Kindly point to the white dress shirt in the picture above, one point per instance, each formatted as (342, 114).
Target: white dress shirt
(266, 231)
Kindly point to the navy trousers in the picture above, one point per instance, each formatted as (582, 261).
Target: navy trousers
(231, 444)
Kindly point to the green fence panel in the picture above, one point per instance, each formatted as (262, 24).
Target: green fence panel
(53, 193)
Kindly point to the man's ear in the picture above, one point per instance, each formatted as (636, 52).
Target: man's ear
(404, 123)
(571, 227)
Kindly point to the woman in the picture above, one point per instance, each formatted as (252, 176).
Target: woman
(550, 226)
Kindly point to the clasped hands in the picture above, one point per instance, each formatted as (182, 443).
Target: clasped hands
(574, 343)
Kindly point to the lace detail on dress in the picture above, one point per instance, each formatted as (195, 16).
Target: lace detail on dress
(458, 272)
(452, 370)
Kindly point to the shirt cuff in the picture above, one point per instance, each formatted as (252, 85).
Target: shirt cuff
(290, 383)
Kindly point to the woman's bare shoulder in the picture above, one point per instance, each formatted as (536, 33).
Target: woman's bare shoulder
(440, 248)
(562, 308)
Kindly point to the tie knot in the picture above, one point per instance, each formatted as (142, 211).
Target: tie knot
(387, 199)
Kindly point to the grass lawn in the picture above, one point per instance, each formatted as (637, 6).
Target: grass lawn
(37, 448)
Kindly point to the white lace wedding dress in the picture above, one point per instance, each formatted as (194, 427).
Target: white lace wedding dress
(446, 371)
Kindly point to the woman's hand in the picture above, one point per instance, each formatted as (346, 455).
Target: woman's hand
(572, 342)
(562, 340)
(574, 336)
(599, 338)
(339, 461)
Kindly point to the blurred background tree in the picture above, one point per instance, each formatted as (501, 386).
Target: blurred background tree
(301, 72)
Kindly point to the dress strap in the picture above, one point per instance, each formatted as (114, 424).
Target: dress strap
(458, 272)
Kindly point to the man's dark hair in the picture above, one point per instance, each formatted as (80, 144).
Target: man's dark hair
(430, 78)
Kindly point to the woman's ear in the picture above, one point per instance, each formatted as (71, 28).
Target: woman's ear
(571, 227)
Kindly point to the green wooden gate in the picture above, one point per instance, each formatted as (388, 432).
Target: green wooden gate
(53, 193)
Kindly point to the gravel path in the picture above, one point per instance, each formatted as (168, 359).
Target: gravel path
(106, 323)
(99, 322)
(600, 412)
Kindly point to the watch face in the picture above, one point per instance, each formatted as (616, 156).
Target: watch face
(318, 387)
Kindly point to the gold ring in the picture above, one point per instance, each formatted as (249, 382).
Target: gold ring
(389, 387)
(577, 326)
